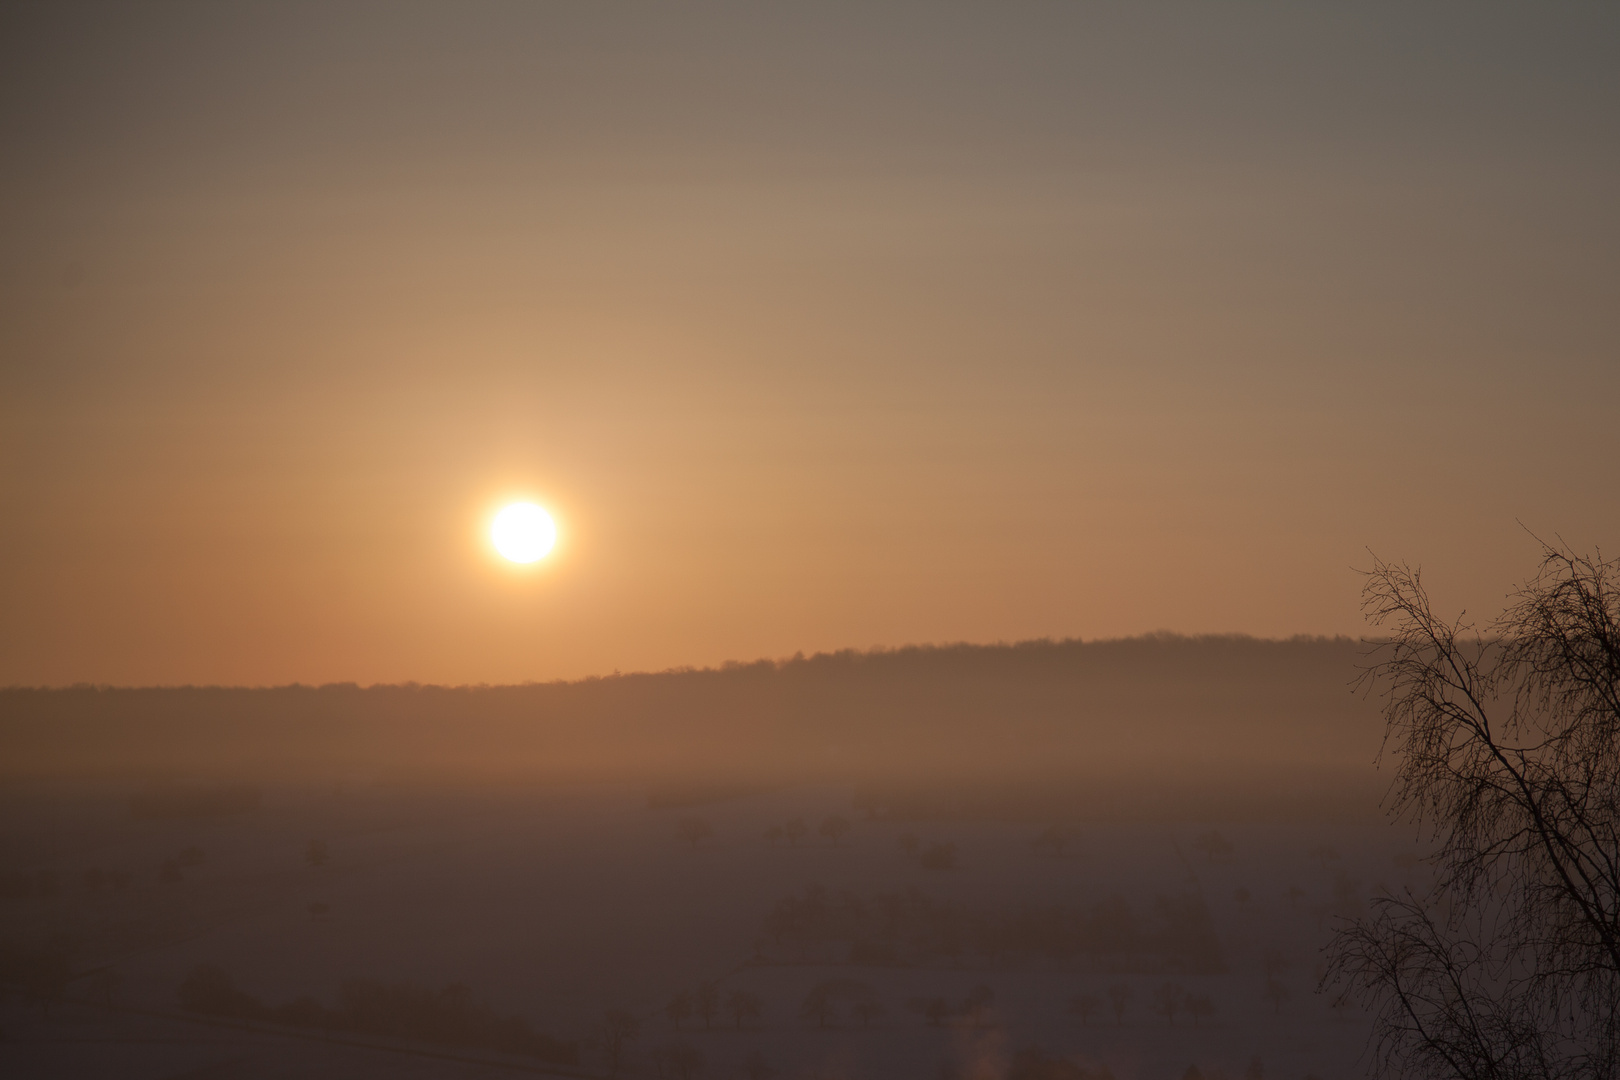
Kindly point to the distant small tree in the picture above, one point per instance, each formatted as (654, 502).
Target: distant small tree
(755, 1067)
(679, 1060)
(103, 985)
(693, 830)
(1119, 996)
(819, 1006)
(1275, 993)
(794, 831)
(706, 1003)
(745, 1007)
(976, 1006)
(1213, 845)
(619, 1030)
(315, 854)
(1199, 1006)
(867, 1010)
(1083, 1005)
(1167, 999)
(835, 828)
(679, 1009)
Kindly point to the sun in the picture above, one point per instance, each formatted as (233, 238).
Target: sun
(523, 532)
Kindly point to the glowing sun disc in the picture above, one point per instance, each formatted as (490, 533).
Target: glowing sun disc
(523, 532)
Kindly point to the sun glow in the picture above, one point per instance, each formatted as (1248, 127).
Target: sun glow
(523, 532)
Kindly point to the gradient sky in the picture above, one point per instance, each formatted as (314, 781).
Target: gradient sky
(815, 325)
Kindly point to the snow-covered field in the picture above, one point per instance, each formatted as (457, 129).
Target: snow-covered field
(563, 904)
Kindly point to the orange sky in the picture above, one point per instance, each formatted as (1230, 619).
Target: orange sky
(860, 326)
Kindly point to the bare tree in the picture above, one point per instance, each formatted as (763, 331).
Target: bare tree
(1199, 1006)
(619, 1030)
(819, 1005)
(1083, 1005)
(679, 1008)
(835, 828)
(1508, 749)
(678, 1060)
(745, 1007)
(1119, 995)
(693, 830)
(976, 1007)
(1275, 993)
(706, 1003)
(1213, 845)
(1324, 853)
(867, 1010)
(1167, 1001)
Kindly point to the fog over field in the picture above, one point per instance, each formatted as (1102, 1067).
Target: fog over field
(839, 541)
(1041, 860)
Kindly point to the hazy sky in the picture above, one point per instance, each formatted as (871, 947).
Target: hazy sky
(815, 325)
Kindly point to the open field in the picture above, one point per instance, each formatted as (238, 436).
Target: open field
(561, 904)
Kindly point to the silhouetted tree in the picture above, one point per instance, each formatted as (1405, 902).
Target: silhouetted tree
(679, 1009)
(835, 828)
(103, 984)
(678, 1060)
(1508, 744)
(745, 1007)
(693, 829)
(1276, 993)
(1083, 1005)
(706, 1003)
(1213, 845)
(976, 1006)
(1199, 1006)
(1119, 995)
(619, 1030)
(867, 1010)
(819, 1006)
(1050, 841)
(1167, 999)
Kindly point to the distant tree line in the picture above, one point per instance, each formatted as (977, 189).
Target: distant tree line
(912, 928)
(450, 1016)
